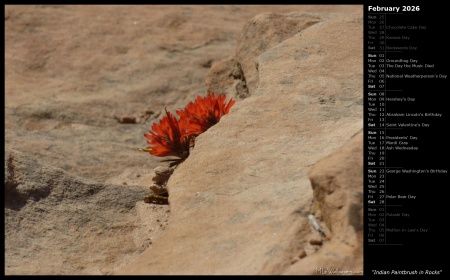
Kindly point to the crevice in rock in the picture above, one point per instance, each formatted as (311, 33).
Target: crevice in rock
(13, 199)
(160, 193)
(241, 85)
(178, 49)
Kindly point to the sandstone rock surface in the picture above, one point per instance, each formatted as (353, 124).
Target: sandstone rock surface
(57, 223)
(337, 182)
(245, 191)
(84, 83)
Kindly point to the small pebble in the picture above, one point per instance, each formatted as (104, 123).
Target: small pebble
(315, 241)
(128, 119)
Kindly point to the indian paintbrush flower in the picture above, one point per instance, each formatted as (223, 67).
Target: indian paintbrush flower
(165, 138)
(175, 137)
(205, 112)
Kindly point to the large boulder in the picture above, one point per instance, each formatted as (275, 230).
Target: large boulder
(240, 203)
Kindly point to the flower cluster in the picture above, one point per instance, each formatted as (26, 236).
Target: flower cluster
(175, 137)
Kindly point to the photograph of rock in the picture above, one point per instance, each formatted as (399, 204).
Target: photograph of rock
(183, 139)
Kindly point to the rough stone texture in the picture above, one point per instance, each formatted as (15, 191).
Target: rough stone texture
(84, 83)
(96, 72)
(238, 75)
(226, 76)
(77, 226)
(264, 32)
(239, 203)
(337, 182)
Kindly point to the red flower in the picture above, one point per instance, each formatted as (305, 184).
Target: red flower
(165, 139)
(204, 113)
(173, 137)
